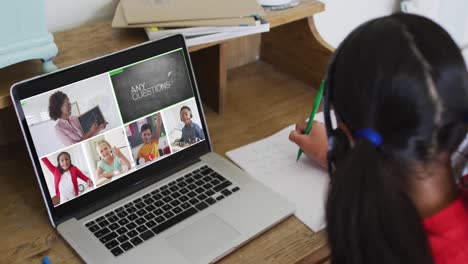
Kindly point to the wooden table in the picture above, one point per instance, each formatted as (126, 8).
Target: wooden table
(255, 100)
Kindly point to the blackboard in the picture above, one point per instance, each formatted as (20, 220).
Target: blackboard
(149, 86)
(88, 118)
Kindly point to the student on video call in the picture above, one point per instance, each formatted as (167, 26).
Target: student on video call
(65, 177)
(399, 88)
(68, 128)
(191, 132)
(150, 149)
(111, 161)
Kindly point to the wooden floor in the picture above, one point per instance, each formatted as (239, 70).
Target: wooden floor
(260, 102)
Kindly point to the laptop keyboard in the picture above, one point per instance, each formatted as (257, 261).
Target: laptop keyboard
(131, 224)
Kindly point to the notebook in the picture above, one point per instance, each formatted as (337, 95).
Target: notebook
(272, 161)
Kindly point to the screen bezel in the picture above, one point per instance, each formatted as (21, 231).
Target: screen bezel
(93, 68)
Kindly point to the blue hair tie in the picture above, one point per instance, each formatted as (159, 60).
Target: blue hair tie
(370, 135)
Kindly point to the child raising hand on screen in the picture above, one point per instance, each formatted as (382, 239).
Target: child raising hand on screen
(150, 149)
(111, 161)
(66, 177)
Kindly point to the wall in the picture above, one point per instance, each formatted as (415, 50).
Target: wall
(342, 16)
(451, 14)
(339, 18)
(66, 14)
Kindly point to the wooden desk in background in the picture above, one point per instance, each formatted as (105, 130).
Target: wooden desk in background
(256, 100)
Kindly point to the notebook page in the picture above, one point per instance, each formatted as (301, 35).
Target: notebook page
(272, 161)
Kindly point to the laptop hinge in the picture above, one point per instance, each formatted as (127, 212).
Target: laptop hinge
(122, 194)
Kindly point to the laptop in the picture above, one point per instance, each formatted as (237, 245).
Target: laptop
(137, 181)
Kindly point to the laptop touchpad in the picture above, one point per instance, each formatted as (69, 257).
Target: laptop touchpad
(202, 237)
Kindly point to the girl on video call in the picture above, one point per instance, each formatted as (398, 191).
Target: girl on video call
(399, 89)
(111, 161)
(65, 178)
(68, 128)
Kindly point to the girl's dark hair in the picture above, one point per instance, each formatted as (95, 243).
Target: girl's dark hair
(55, 105)
(58, 161)
(404, 77)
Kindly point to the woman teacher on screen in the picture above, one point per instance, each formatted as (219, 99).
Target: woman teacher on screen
(68, 128)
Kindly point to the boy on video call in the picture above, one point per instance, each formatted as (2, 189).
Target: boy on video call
(150, 150)
(191, 132)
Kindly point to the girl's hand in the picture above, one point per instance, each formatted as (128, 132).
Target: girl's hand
(158, 119)
(90, 183)
(313, 144)
(117, 152)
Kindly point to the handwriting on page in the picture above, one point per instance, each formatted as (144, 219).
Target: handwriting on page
(272, 161)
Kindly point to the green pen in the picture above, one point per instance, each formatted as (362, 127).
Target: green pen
(318, 98)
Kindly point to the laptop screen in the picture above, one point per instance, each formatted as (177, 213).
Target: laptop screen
(101, 129)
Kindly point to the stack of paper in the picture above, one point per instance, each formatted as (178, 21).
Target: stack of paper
(200, 21)
(200, 35)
